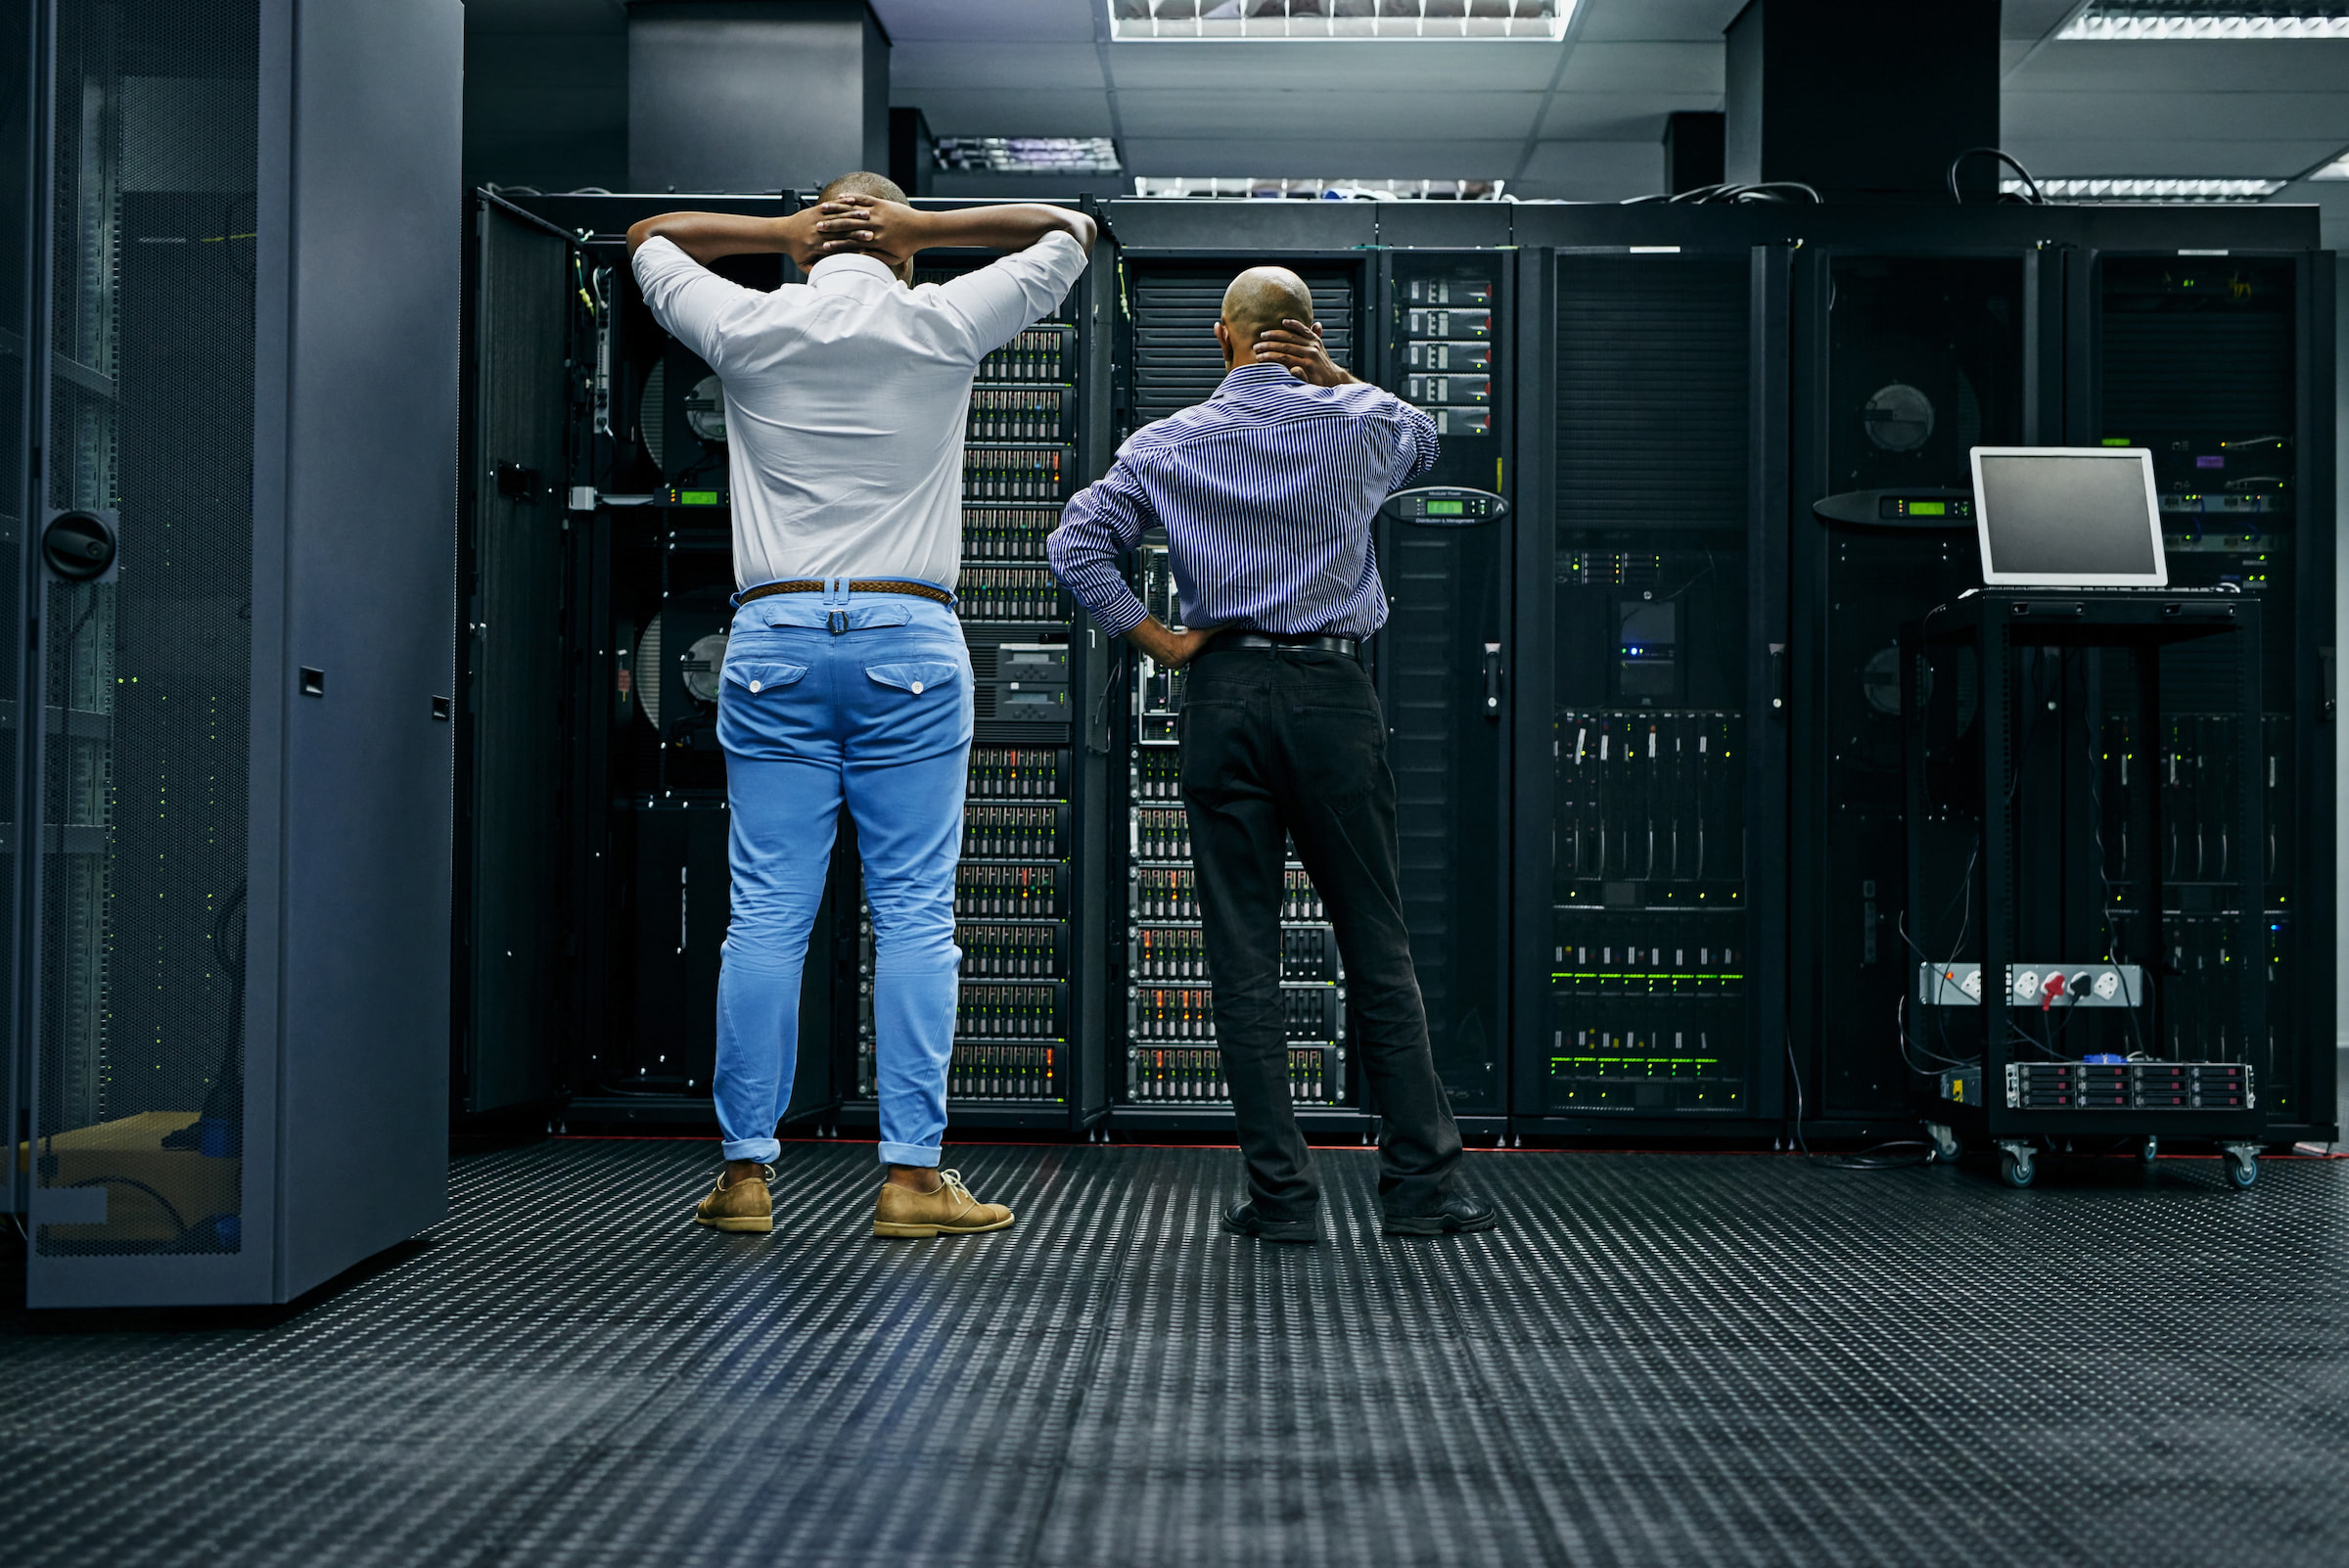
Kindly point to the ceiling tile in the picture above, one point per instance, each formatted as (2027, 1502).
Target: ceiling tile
(2030, 21)
(1592, 172)
(2303, 65)
(1623, 21)
(999, 21)
(1321, 115)
(2202, 117)
(1617, 116)
(1649, 68)
(1016, 68)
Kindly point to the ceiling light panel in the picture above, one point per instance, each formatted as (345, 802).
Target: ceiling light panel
(2149, 190)
(2337, 170)
(2201, 19)
(1028, 155)
(1310, 21)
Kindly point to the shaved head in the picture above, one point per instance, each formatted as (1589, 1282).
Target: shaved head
(1261, 298)
(863, 182)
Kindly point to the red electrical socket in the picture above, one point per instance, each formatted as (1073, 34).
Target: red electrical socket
(2050, 989)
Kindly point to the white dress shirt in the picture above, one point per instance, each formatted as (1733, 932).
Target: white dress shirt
(845, 401)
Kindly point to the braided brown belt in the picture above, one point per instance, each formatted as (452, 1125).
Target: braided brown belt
(919, 590)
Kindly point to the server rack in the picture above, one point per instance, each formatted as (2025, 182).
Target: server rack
(1171, 1077)
(2219, 359)
(1904, 356)
(1650, 709)
(230, 840)
(1446, 662)
(595, 825)
(1029, 1033)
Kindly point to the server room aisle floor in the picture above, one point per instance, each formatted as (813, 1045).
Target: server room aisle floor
(1661, 1358)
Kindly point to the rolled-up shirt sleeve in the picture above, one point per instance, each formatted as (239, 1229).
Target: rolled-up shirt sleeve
(1099, 526)
(1415, 445)
(691, 302)
(1006, 296)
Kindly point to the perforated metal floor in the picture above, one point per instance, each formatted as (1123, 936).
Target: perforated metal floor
(1661, 1358)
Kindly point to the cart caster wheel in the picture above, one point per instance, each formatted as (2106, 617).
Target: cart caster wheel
(1947, 1146)
(2150, 1151)
(2242, 1168)
(2015, 1169)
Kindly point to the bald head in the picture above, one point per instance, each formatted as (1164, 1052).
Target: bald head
(1261, 299)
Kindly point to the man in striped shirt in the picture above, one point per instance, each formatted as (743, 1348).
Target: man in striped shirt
(1267, 493)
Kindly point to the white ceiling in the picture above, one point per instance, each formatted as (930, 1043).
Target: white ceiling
(1582, 119)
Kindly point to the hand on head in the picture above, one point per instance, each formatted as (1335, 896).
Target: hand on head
(1269, 319)
(855, 224)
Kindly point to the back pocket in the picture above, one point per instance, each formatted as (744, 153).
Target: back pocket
(755, 675)
(915, 676)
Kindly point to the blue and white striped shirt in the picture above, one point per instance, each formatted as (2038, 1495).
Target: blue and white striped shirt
(1267, 491)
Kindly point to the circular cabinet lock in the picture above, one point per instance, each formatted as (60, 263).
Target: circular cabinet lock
(78, 545)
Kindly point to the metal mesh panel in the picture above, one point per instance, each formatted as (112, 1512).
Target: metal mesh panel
(1176, 361)
(140, 1112)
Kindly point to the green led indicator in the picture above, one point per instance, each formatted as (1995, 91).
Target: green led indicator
(1447, 508)
(697, 497)
(2116, 440)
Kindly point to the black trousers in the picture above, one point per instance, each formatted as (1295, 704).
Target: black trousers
(1291, 740)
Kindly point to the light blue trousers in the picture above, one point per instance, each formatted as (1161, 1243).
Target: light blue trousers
(832, 699)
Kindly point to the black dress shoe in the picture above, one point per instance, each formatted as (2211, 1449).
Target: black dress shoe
(1242, 1220)
(1456, 1216)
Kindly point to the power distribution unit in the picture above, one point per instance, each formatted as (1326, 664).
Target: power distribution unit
(226, 738)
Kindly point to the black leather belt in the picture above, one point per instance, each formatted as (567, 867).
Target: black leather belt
(1267, 640)
(919, 590)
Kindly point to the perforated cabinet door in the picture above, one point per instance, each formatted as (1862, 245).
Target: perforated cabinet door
(140, 1117)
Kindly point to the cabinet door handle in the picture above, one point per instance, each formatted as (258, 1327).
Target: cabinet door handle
(1492, 682)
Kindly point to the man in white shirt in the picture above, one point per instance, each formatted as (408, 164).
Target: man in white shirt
(847, 681)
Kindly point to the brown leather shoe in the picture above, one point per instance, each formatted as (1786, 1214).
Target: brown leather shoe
(951, 1211)
(743, 1205)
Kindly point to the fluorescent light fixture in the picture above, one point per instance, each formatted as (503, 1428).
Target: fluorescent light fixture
(2109, 19)
(1242, 189)
(1028, 155)
(2337, 170)
(1275, 21)
(2149, 190)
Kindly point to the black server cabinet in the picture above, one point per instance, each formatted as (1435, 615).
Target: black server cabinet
(1431, 326)
(2219, 361)
(596, 567)
(1171, 1069)
(1649, 705)
(1033, 888)
(1443, 663)
(1903, 361)
(230, 997)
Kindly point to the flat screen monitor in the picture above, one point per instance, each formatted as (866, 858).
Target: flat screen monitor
(2069, 517)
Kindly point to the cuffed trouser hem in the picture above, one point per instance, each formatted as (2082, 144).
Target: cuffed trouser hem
(762, 1150)
(905, 1154)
